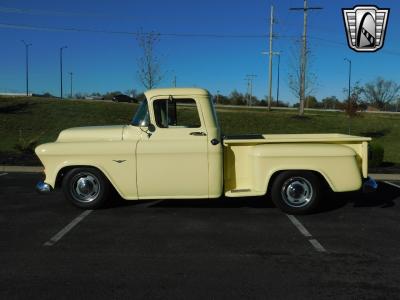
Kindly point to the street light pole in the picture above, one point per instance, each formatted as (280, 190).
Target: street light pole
(70, 74)
(27, 64)
(277, 89)
(270, 57)
(349, 108)
(61, 71)
(250, 78)
(349, 91)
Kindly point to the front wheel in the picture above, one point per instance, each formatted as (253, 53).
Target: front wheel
(86, 188)
(296, 192)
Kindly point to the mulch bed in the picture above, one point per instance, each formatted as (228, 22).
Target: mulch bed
(19, 159)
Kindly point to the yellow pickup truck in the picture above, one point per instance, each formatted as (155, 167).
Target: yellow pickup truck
(174, 149)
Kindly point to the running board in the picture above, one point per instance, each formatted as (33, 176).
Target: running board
(240, 190)
(243, 193)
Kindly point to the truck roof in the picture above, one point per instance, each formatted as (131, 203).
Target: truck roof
(175, 92)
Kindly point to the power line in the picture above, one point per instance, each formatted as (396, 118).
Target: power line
(52, 13)
(28, 11)
(134, 33)
(178, 35)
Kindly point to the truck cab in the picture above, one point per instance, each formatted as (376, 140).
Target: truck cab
(180, 153)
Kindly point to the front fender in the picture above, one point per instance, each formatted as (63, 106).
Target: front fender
(116, 159)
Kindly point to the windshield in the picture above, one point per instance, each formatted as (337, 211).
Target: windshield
(141, 117)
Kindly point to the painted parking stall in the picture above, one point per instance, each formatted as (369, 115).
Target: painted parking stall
(227, 247)
(314, 242)
(59, 235)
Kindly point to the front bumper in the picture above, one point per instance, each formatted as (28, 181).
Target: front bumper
(43, 188)
(369, 185)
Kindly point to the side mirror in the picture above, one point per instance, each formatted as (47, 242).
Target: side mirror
(151, 127)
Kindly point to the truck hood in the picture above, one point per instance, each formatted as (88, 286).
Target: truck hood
(93, 133)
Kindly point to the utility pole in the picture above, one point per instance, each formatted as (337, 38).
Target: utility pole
(70, 74)
(270, 57)
(27, 65)
(303, 62)
(217, 101)
(250, 78)
(279, 63)
(174, 81)
(61, 71)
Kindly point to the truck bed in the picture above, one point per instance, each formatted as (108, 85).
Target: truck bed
(246, 156)
(292, 138)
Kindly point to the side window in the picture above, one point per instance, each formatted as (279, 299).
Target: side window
(176, 113)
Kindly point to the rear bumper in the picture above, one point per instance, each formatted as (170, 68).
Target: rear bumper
(43, 188)
(369, 185)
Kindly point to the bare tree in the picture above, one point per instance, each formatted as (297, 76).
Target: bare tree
(294, 78)
(149, 68)
(381, 92)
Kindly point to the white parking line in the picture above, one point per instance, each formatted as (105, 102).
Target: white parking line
(392, 184)
(67, 228)
(314, 242)
(2, 174)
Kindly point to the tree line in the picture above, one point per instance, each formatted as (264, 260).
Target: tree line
(379, 94)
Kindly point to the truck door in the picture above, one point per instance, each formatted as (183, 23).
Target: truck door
(173, 162)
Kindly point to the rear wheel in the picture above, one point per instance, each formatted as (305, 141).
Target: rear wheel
(296, 192)
(86, 188)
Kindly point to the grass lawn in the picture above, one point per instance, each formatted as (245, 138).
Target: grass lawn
(29, 119)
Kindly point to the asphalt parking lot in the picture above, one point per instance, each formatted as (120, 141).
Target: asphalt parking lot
(215, 249)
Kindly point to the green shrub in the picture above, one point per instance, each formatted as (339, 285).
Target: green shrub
(375, 155)
(25, 145)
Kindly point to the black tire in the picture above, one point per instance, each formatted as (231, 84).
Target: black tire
(297, 192)
(86, 188)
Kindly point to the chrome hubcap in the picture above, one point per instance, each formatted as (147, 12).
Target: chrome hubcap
(297, 192)
(85, 187)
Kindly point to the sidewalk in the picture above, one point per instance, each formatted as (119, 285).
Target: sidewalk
(25, 169)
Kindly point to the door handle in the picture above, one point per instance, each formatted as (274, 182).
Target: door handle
(198, 133)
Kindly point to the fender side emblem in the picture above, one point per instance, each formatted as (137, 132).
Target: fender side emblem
(119, 161)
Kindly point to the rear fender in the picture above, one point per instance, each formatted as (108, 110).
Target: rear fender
(337, 164)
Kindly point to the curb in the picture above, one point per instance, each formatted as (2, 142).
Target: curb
(25, 169)
(395, 177)
(21, 169)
